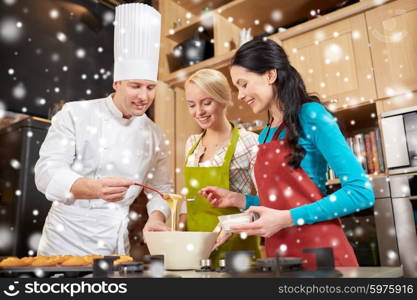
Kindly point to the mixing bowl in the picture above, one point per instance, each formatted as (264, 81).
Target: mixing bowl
(182, 250)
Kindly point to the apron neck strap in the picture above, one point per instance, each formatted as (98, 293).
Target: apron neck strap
(193, 147)
(232, 146)
(278, 132)
(230, 149)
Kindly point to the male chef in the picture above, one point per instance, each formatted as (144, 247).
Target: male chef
(95, 150)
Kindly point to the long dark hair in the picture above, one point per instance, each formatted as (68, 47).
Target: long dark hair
(259, 56)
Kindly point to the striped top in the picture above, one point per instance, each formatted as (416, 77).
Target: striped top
(241, 166)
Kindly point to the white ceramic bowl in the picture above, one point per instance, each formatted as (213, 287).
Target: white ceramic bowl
(182, 250)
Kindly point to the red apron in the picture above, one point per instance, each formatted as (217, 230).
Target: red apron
(282, 187)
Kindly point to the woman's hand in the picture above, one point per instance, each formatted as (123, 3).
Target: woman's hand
(156, 222)
(219, 197)
(182, 222)
(222, 238)
(270, 222)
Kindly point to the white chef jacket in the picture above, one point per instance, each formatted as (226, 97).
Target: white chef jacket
(92, 139)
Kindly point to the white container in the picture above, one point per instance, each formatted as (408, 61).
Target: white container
(182, 250)
(227, 221)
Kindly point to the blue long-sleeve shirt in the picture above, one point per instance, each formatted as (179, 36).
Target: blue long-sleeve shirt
(325, 145)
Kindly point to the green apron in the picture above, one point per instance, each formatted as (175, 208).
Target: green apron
(201, 215)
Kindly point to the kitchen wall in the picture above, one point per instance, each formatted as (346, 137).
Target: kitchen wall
(54, 50)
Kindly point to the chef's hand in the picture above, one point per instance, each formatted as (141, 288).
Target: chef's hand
(270, 222)
(109, 188)
(112, 189)
(222, 238)
(219, 197)
(156, 222)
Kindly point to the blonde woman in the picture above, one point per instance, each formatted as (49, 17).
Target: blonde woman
(222, 155)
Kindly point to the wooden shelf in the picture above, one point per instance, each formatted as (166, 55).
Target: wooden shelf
(357, 119)
(187, 31)
(332, 17)
(178, 78)
(196, 7)
(335, 108)
(276, 13)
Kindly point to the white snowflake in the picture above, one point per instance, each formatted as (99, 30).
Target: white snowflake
(241, 262)
(33, 240)
(288, 192)
(194, 183)
(108, 18)
(184, 191)
(300, 221)
(39, 272)
(15, 164)
(100, 244)
(6, 238)
(333, 53)
(62, 37)
(243, 235)
(53, 13)
(269, 28)
(104, 265)
(156, 269)
(19, 91)
(392, 255)
(9, 31)
(80, 53)
(69, 196)
(9, 2)
(272, 197)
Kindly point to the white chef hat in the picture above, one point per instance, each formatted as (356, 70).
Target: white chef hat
(137, 36)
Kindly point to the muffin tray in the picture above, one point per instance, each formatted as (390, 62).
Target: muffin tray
(45, 271)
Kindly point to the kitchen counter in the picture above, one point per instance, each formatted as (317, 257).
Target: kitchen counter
(347, 272)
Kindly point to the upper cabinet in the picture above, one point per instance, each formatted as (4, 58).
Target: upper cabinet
(164, 116)
(393, 38)
(335, 62)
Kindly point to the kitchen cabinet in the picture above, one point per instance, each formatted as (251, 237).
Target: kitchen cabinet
(185, 126)
(164, 116)
(335, 62)
(22, 207)
(348, 56)
(393, 42)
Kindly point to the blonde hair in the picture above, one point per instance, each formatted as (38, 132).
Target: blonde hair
(214, 83)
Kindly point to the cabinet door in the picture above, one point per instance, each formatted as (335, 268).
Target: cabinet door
(335, 62)
(185, 126)
(164, 112)
(393, 37)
